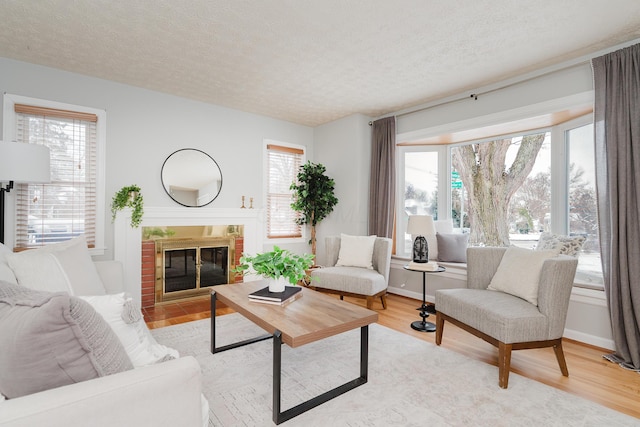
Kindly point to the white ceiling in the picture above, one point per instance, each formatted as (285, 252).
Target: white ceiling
(311, 61)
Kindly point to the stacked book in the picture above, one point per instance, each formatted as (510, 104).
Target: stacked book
(264, 296)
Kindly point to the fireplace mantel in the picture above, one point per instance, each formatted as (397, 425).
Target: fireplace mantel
(128, 240)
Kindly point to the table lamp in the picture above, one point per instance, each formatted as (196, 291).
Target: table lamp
(21, 163)
(421, 226)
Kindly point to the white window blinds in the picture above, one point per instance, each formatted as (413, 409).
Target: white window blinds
(282, 168)
(65, 208)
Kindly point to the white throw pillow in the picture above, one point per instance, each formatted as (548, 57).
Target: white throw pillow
(61, 267)
(138, 342)
(519, 273)
(356, 251)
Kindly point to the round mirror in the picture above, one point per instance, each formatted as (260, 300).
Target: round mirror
(191, 177)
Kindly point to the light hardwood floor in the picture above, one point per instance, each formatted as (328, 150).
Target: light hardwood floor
(590, 376)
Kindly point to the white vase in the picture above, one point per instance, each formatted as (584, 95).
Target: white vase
(277, 285)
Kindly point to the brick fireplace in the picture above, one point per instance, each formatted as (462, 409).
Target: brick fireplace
(139, 255)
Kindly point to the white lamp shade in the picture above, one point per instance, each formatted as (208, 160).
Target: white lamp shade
(21, 162)
(421, 225)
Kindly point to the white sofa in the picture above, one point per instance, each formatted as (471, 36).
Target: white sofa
(163, 394)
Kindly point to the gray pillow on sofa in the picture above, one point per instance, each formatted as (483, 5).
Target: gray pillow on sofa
(452, 247)
(49, 339)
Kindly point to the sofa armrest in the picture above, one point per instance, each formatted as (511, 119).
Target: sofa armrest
(112, 275)
(164, 394)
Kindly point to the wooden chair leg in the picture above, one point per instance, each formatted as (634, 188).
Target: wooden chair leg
(369, 302)
(383, 298)
(560, 356)
(439, 328)
(504, 364)
(341, 297)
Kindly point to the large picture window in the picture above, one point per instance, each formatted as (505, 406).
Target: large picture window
(508, 190)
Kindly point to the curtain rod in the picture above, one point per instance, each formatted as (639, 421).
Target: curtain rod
(475, 95)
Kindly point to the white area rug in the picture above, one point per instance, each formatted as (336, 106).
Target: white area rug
(411, 383)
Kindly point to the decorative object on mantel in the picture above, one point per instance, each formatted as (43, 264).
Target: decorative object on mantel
(243, 206)
(313, 197)
(278, 266)
(251, 203)
(129, 196)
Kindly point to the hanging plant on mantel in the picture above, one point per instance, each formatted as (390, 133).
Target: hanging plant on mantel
(130, 197)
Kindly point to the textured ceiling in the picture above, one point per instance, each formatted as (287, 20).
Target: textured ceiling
(311, 62)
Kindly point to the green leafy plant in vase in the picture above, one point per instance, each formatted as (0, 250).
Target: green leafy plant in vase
(129, 196)
(279, 266)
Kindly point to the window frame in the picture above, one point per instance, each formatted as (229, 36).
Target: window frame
(303, 230)
(559, 177)
(444, 197)
(9, 134)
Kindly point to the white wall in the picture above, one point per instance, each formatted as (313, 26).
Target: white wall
(144, 127)
(342, 147)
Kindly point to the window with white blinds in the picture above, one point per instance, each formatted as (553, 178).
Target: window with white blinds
(282, 168)
(65, 208)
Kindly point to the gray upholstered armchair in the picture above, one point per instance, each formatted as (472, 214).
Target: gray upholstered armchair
(355, 281)
(504, 320)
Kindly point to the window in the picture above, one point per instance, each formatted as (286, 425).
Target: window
(418, 190)
(72, 203)
(282, 164)
(554, 190)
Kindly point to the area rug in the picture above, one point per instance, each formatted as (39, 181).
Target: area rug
(411, 383)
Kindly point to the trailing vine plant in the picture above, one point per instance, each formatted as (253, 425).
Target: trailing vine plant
(131, 197)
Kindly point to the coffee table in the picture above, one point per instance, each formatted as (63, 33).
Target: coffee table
(312, 317)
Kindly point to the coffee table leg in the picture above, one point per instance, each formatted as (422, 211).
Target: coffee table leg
(280, 417)
(215, 349)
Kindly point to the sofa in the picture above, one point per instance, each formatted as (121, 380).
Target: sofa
(165, 393)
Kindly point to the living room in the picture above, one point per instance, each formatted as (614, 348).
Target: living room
(144, 126)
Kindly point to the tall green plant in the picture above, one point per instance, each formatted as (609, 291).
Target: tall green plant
(313, 197)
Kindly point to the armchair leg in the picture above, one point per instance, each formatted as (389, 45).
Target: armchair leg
(504, 363)
(557, 348)
(369, 302)
(439, 328)
(383, 299)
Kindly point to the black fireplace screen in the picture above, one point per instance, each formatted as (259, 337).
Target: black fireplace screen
(195, 268)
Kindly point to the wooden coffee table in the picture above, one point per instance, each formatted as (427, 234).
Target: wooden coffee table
(310, 318)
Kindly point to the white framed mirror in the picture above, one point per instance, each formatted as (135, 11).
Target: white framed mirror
(191, 177)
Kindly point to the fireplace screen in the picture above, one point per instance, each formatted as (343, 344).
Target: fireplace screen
(195, 268)
(188, 267)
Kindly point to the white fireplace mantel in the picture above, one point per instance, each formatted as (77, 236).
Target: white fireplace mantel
(128, 240)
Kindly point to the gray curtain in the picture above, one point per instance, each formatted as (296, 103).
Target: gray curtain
(382, 187)
(617, 145)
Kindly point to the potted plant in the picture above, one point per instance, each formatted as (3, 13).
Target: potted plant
(129, 196)
(279, 266)
(313, 197)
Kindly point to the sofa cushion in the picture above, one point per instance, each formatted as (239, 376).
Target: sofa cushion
(129, 326)
(356, 251)
(564, 245)
(356, 280)
(519, 273)
(6, 273)
(500, 315)
(61, 267)
(452, 247)
(55, 340)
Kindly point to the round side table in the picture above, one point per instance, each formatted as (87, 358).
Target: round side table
(423, 325)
